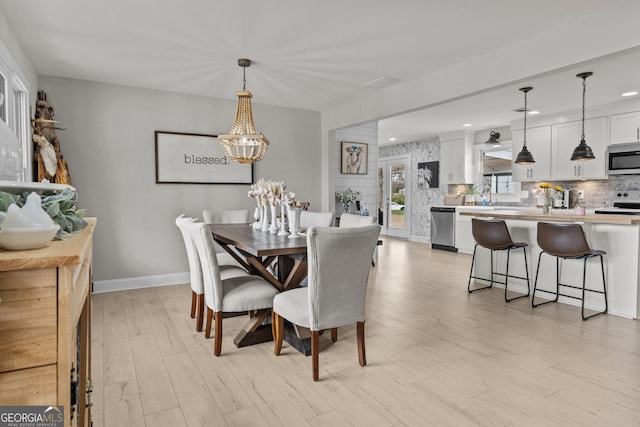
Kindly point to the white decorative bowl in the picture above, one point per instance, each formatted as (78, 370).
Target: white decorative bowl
(17, 239)
(17, 187)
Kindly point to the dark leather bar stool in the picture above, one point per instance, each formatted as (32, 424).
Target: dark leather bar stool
(567, 241)
(494, 235)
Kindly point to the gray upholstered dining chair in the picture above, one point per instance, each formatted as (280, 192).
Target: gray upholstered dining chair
(238, 216)
(234, 294)
(339, 260)
(318, 219)
(195, 271)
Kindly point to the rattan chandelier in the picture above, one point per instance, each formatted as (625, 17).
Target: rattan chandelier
(243, 144)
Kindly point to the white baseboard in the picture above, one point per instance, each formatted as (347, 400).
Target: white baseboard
(128, 283)
(421, 239)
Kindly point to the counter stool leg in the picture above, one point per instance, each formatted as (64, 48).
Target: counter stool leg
(557, 279)
(471, 276)
(526, 269)
(535, 284)
(473, 260)
(584, 279)
(604, 287)
(491, 284)
(506, 278)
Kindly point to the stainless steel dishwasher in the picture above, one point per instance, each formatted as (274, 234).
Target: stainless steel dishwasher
(443, 226)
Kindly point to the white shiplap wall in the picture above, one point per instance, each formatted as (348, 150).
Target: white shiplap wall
(365, 184)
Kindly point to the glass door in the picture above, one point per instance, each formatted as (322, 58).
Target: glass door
(393, 196)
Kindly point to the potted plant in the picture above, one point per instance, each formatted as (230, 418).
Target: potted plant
(470, 194)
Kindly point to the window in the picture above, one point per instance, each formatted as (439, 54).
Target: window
(3, 98)
(14, 118)
(501, 183)
(494, 172)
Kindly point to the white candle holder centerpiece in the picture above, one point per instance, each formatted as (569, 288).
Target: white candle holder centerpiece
(257, 213)
(265, 218)
(293, 214)
(284, 220)
(256, 216)
(273, 228)
(275, 195)
(271, 195)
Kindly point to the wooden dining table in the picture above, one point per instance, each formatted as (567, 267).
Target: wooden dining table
(260, 249)
(278, 259)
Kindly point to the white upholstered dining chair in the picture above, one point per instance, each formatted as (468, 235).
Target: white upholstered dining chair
(351, 220)
(339, 261)
(221, 295)
(238, 216)
(318, 219)
(195, 271)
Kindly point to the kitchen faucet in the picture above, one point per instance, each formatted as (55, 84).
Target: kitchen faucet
(487, 189)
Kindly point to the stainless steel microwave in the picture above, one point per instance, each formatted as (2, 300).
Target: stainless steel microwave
(624, 159)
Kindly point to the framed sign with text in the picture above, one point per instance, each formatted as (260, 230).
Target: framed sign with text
(190, 158)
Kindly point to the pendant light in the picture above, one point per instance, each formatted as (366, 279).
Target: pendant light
(583, 152)
(525, 157)
(244, 144)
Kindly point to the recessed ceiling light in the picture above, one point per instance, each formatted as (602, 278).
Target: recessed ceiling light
(533, 112)
(392, 139)
(466, 125)
(632, 93)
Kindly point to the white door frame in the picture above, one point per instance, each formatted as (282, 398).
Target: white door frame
(385, 163)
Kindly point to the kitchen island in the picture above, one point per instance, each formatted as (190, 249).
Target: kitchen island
(618, 235)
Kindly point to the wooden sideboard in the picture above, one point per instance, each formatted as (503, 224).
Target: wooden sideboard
(45, 326)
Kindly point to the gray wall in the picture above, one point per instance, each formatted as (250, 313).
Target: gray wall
(12, 45)
(109, 147)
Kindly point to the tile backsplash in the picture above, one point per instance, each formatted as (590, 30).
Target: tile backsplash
(597, 193)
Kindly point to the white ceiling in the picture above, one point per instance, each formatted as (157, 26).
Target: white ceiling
(552, 93)
(311, 55)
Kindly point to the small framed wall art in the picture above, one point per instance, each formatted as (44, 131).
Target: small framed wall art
(428, 174)
(190, 158)
(354, 158)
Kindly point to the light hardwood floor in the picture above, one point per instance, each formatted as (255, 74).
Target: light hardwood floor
(436, 357)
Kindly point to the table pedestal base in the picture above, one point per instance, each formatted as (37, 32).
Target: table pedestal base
(260, 335)
(303, 345)
(254, 331)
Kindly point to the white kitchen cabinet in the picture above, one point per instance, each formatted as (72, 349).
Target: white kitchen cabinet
(624, 128)
(539, 144)
(566, 137)
(456, 161)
